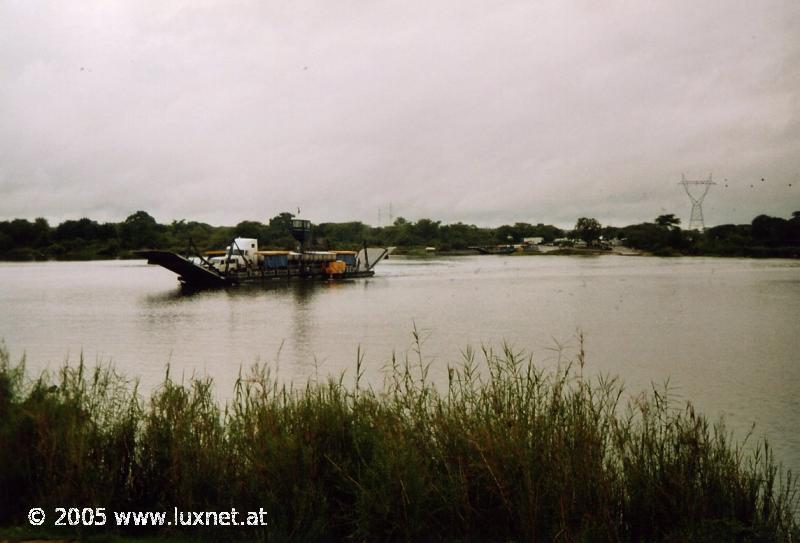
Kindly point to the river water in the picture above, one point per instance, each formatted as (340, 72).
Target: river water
(723, 332)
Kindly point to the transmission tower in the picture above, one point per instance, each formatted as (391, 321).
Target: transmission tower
(696, 220)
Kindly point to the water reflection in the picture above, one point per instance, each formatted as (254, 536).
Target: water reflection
(287, 320)
(302, 291)
(171, 296)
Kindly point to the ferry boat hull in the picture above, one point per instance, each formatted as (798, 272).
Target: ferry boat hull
(243, 266)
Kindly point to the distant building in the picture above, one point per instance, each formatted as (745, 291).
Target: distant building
(533, 241)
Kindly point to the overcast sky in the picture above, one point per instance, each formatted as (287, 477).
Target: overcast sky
(482, 112)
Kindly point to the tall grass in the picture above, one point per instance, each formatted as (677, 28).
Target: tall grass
(507, 451)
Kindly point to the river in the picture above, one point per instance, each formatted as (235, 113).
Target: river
(723, 332)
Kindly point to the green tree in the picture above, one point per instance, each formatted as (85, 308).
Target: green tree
(400, 232)
(250, 229)
(794, 229)
(23, 232)
(139, 230)
(278, 232)
(548, 232)
(461, 236)
(506, 234)
(43, 231)
(588, 230)
(84, 229)
(426, 231)
(769, 231)
(6, 243)
(668, 221)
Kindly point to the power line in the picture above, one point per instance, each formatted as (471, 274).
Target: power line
(696, 219)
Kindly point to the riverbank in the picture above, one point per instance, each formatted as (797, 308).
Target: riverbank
(520, 454)
(29, 255)
(85, 239)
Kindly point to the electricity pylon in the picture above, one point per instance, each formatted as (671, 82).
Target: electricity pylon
(696, 219)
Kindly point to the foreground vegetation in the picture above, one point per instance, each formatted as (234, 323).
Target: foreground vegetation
(506, 452)
(21, 239)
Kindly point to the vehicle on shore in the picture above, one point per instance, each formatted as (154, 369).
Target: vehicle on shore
(243, 262)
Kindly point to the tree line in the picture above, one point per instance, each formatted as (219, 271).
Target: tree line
(21, 239)
(765, 236)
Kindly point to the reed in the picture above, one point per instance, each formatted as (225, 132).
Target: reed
(506, 451)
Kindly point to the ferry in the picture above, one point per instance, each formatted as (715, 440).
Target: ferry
(242, 262)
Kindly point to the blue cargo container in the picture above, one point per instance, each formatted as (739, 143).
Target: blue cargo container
(272, 262)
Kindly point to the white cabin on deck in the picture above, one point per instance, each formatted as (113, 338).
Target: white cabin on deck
(241, 254)
(247, 247)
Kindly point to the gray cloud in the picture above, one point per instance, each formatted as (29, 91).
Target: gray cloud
(483, 112)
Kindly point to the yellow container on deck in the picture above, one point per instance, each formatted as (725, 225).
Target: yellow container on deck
(337, 266)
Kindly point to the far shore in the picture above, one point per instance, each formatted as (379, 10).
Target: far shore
(422, 252)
